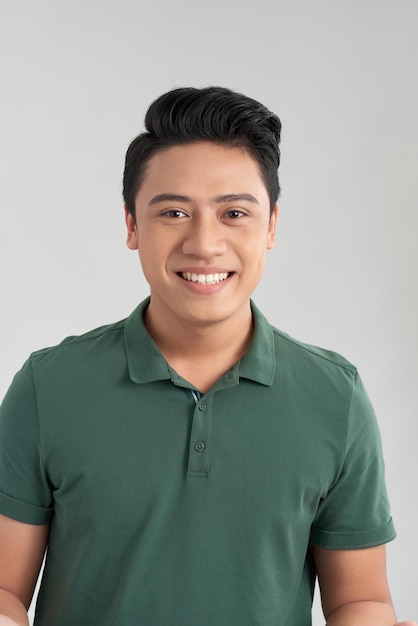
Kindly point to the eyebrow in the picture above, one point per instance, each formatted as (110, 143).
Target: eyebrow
(229, 197)
(173, 197)
(236, 197)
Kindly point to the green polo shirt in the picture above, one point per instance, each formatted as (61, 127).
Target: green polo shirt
(168, 507)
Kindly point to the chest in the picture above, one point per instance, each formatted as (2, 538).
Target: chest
(253, 452)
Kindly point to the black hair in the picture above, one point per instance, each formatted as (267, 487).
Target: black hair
(189, 115)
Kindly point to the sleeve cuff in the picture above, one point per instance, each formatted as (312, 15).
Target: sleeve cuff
(23, 512)
(350, 540)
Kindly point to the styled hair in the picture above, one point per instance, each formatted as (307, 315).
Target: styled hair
(189, 115)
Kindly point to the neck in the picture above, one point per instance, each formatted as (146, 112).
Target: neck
(200, 352)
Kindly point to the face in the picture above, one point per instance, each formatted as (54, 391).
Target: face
(202, 230)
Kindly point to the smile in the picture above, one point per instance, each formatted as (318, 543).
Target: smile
(205, 279)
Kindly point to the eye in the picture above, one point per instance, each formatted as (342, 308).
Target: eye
(234, 214)
(175, 213)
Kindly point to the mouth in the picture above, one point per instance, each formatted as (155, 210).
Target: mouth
(205, 279)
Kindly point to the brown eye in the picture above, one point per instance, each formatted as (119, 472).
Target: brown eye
(174, 213)
(234, 214)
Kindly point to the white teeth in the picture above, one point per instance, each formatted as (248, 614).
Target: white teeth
(205, 279)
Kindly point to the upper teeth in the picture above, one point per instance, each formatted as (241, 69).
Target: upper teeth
(205, 279)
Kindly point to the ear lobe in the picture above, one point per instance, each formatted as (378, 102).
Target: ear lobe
(132, 236)
(271, 234)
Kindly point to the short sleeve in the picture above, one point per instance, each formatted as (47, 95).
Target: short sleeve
(25, 494)
(355, 512)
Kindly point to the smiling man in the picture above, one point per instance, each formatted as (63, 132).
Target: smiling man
(192, 464)
(202, 224)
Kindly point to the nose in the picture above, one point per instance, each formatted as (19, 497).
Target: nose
(205, 237)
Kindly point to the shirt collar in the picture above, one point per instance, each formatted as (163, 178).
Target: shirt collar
(259, 363)
(146, 363)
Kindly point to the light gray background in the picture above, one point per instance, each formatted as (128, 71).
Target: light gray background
(76, 79)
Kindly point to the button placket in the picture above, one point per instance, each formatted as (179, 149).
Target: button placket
(200, 440)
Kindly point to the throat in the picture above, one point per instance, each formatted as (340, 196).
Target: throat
(203, 363)
(199, 353)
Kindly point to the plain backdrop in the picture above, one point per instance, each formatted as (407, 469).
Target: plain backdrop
(76, 80)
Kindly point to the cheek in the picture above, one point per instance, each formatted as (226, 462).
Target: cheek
(255, 250)
(259, 261)
(145, 256)
(154, 259)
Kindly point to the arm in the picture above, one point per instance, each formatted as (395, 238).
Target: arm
(354, 587)
(22, 548)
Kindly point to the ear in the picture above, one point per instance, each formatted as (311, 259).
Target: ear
(132, 236)
(271, 233)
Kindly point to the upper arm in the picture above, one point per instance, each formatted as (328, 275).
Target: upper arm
(22, 548)
(351, 576)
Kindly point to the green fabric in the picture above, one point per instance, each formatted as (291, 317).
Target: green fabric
(167, 511)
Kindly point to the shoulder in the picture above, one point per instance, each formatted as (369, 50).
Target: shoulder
(315, 376)
(97, 339)
(293, 352)
(97, 342)
(81, 360)
(75, 359)
(299, 366)
(320, 357)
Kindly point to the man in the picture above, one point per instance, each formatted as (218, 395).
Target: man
(192, 464)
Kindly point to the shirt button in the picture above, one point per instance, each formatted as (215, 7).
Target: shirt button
(202, 406)
(199, 446)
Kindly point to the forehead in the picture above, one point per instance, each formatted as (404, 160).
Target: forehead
(203, 167)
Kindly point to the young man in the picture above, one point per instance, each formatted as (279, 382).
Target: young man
(192, 464)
